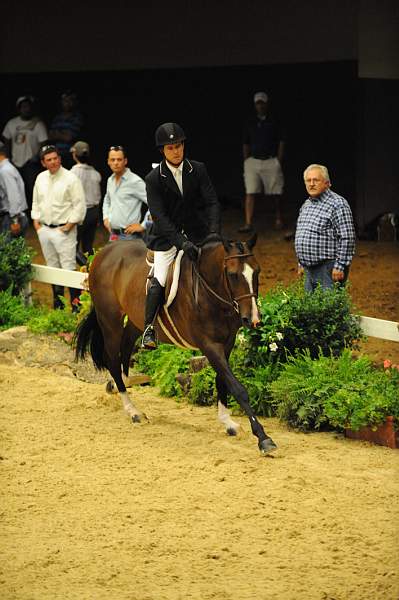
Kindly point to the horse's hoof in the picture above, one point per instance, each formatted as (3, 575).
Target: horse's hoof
(136, 419)
(231, 431)
(267, 445)
(109, 388)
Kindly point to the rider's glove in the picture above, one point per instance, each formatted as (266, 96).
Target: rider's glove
(191, 250)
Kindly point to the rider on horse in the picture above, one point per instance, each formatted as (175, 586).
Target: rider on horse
(184, 209)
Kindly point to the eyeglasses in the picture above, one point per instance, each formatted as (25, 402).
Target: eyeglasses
(117, 148)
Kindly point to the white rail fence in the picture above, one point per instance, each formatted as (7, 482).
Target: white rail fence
(379, 328)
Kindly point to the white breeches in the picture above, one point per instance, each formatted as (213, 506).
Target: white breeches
(59, 248)
(162, 260)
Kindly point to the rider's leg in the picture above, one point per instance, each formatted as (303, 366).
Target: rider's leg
(155, 296)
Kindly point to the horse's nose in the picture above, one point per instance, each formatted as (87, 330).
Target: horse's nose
(255, 322)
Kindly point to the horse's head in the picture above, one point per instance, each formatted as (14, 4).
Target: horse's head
(242, 272)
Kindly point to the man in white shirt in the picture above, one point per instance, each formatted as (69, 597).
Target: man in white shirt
(58, 207)
(25, 134)
(123, 202)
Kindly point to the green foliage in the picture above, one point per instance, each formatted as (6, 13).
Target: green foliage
(203, 388)
(13, 311)
(15, 263)
(293, 321)
(334, 391)
(163, 364)
(47, 320)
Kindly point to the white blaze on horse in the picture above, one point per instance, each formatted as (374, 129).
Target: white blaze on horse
(215, 296)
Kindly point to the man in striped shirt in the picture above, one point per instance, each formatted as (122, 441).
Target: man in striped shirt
(325, 234)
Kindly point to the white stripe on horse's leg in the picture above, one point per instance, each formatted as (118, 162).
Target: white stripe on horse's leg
(129, 407)
(225, 418)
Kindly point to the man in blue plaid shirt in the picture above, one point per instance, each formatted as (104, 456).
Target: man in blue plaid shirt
(325, 234)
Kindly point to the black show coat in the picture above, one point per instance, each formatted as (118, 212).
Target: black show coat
(177, 217)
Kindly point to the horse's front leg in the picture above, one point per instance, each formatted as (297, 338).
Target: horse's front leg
(216, 357)
(224, 416)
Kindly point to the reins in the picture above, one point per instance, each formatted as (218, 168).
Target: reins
(233, 301)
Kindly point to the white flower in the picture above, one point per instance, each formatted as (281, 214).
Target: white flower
(279, 335)
(273, 347)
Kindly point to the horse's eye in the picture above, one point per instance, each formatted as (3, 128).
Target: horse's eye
(232, 275)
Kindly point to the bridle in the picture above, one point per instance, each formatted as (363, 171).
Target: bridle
(234, 300)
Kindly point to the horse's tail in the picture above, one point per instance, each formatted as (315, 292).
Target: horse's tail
(88, 334)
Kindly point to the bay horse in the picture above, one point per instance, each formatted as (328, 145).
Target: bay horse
(215, 296)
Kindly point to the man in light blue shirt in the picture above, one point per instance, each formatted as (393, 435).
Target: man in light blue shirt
(126, 193)
(13, 219)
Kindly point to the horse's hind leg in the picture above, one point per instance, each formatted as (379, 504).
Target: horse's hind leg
(224, 416)
(113, 347)
(130, 336)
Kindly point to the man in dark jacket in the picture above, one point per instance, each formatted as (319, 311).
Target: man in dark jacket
(184, 210)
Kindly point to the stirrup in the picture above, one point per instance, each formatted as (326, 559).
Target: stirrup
(148, 340)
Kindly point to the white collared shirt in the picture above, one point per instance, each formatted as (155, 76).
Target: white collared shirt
(91, 180)
(177, 173)
(58, 198)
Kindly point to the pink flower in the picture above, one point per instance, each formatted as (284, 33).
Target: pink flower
(387, 363)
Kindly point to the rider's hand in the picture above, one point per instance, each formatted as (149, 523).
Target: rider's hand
(191, 250)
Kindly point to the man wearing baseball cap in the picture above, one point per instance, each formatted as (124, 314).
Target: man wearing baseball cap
(263, 148)
(25, 134)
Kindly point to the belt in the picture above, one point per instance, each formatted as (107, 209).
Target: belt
(262, 157)
(53, 226)
(118, 231)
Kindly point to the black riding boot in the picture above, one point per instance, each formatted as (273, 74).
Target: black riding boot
(58, 290)
(154, 299)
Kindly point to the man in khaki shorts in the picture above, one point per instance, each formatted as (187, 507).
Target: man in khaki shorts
(263, 153)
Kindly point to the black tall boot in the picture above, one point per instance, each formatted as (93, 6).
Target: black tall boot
(155, 296)
(58, 290)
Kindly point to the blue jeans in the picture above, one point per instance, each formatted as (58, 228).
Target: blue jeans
(322, 274)
(125, 236)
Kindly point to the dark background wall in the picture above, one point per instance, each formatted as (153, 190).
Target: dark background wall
(135, 66)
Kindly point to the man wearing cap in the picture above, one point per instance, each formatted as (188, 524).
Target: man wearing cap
(24, 135)
(184, 209)
(58, 207)
(91, 182)
(13, 220)
(263, 149)
(124, 200)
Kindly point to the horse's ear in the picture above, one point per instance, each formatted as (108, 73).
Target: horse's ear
(252, 241)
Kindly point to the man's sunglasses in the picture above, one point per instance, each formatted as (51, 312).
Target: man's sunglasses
(117, 148)
(50, 148)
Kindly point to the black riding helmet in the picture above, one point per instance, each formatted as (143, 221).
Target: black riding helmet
(169, 133)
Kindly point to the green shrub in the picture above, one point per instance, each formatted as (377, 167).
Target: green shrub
(13, 311)
(293, 321)
(334, 391)
(47, 320)
(15, 263)
(203, 387)
(163, 364)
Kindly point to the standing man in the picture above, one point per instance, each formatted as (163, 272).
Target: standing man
(58, 207)
(13, 219)
(263, 150)
(122, 207)
(184, 210)
(91, 182)
(25, 134)
(325, 234)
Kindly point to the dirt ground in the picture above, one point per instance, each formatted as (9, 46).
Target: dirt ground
(96, 508)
